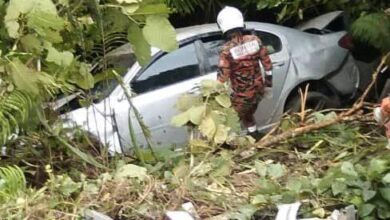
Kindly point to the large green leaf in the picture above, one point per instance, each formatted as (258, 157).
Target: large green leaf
(208, 127)
(221, 134)
(180, 119)
(386, 179)
(11, 19)
(46, 6)
(223, 100)
(47, 25)
(368, 194)
(83, 77)
(148, 9)
(159, 33)
(140, 45)
(385, 192)
(24, 78)
(376, 167)
(64, 58)
(366, 209)
(196, 114)
(186, 101)
(31, 43)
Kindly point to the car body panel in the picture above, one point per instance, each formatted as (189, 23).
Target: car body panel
(320, 22)
(303, 57)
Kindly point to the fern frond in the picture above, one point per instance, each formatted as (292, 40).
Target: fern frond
(373, 29)
(12, 182)
(14, 110)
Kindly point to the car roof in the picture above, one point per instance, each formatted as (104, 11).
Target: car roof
(192, 31)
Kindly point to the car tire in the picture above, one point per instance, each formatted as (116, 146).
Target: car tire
(315, 101)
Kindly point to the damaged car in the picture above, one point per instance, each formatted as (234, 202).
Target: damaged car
(314, 53)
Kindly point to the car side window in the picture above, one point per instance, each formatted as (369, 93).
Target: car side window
(176, 66)
(271, 41)
(213, 45)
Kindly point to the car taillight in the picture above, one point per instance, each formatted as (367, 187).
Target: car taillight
(346, 42)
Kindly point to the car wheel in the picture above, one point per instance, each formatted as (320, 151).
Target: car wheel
(315, 101)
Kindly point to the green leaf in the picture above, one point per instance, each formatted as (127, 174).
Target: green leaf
(180, 119)
(294, 184)
(140, 45)
(376, 167)
(261, 168)
(221, 134)
(244, 213)
(338, 187)
(159, 33)
(258, 199)
(348, 169)
(67, 186)
(384, 213)
(196, 114)
(208, 127)
(14, 9)
(64, 58)
(275, 170)
(186, 101)
(366, 209)
(282, 14)
(25, 79)
(46, 6)
(368, 194)
(385, 192)
(148, 9)
(31, 43)
(47, 25)
(223, 100)
(386, 179)
(130, 171)
(83, 77)
(319, 212)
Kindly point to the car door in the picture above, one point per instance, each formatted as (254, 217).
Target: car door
(157, 88)
(212, 46)
(280, 58)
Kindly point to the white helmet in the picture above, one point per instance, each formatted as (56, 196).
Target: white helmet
(230, 18)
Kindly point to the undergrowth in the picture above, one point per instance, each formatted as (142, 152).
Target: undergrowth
(326, 169)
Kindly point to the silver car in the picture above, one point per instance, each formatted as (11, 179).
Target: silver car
(310, 53)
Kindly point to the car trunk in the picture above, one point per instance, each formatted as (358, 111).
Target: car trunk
(327, 23)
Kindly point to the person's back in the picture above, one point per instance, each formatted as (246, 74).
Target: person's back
(239, 63)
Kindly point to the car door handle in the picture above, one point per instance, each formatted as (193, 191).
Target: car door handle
(278, 64)
(194, 89)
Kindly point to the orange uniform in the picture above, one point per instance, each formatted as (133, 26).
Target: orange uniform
(385, 109)
(239, 63)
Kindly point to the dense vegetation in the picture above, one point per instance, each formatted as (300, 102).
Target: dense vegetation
(50, 48)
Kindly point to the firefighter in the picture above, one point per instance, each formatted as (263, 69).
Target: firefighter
(240, 63)
(382, 116)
